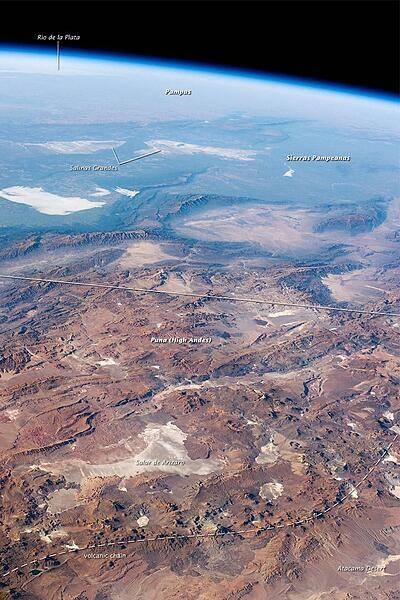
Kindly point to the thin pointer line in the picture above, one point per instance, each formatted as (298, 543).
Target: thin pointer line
(58, 55)
(203, 296)
(160, 538)
(124, 162)
(116, 156)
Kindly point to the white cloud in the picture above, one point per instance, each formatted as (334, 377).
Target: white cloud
(45, 202)
(171, 146)
(125, 192)
(289, 173)
(101, 192)
(78, 146)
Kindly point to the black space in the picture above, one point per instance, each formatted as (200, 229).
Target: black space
(349, 43)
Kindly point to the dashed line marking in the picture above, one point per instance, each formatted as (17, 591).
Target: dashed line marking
(252, 530)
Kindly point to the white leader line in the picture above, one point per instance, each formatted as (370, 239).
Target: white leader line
(125, 162)
(58, 55)
(201, 296)
(253, 530)
(116, 156)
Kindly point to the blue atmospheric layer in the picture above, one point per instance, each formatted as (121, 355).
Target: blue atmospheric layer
(305, 83)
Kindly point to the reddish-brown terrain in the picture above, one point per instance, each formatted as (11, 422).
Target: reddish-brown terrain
(252, 454)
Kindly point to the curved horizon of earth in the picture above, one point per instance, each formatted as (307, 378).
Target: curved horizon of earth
(126, 415)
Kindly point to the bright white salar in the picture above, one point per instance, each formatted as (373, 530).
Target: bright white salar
(45, 202)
